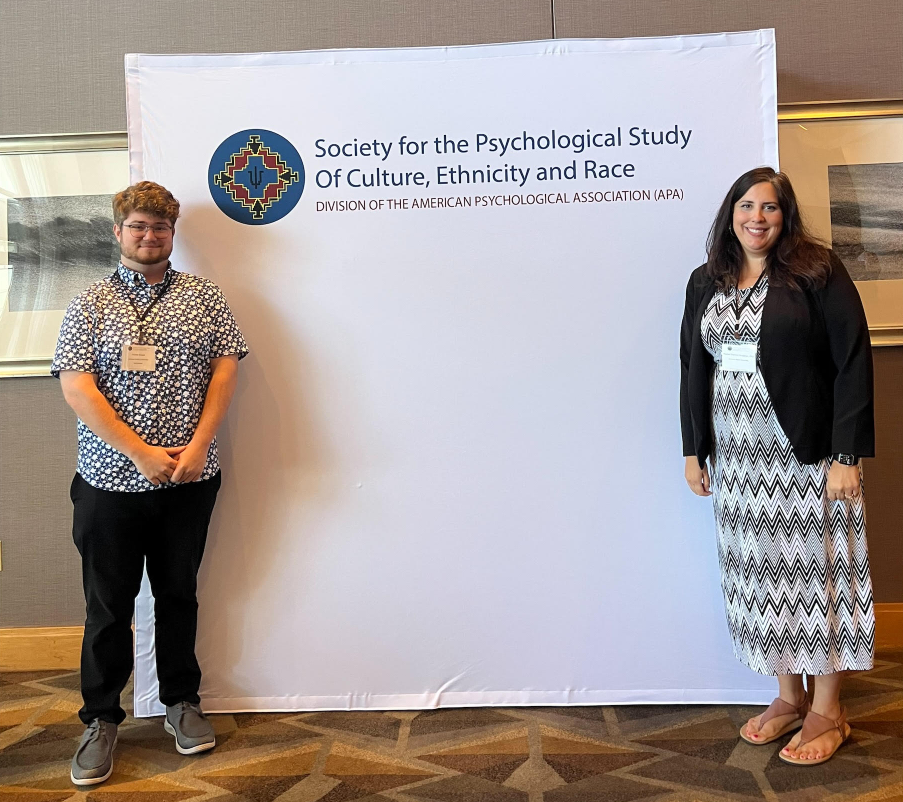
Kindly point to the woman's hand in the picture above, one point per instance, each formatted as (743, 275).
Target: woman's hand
(697, 478)
(843, 482)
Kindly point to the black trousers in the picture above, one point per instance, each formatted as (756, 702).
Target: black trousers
(116, 535)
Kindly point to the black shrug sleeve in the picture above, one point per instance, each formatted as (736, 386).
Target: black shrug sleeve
(853, 429)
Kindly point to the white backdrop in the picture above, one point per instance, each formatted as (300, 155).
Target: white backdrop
(452, 470)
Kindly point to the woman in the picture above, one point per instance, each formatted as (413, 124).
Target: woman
(776, 392)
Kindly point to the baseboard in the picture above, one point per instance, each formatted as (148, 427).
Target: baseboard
(40, 648)
(51, 648)
(889, 626)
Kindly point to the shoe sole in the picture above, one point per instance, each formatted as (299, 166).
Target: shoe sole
(192, 750)
(94, 780)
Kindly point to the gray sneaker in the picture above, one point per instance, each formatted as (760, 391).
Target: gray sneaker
(93, 761)
(190, 727)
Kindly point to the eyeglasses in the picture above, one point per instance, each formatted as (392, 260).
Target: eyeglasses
(140, 229)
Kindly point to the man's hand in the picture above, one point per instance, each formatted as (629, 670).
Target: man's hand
(843, 482)
(191, 462)
(157, 464)
(223, 372)
(697, 478)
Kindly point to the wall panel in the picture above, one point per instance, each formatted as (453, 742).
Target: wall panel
(40, 584)
(883, 477)
(827, 49)
(62, 63)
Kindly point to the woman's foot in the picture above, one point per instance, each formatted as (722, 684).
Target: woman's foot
(779, 718)
(819, 739)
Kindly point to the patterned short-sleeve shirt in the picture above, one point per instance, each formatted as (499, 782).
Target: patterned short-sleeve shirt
(189, 324)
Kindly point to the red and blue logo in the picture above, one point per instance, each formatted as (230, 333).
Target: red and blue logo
(256, 177)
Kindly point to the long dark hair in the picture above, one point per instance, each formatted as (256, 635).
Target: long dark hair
(797, 260)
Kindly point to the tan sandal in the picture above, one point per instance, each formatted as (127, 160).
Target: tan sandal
(778, 708)
(815, 726)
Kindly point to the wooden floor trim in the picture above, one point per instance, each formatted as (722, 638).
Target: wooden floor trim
(50, 648)
(40, 648)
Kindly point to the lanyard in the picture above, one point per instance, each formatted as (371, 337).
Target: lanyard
(738, 307)
(139, 314)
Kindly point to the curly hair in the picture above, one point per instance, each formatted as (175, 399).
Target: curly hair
(148, 197)
(797, 259)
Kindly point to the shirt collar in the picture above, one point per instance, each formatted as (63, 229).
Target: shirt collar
(132, 278)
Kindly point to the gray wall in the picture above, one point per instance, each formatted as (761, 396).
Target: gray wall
(827, 49)
(61, 67)
(61, 62)
(40, 584)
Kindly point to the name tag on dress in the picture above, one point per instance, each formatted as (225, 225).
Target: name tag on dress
(739, 356)
(139, 357)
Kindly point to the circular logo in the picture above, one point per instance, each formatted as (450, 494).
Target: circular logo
(256, 177)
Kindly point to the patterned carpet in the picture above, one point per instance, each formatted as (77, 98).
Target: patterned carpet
(578, 754)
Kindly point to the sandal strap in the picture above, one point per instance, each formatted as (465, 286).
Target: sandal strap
(816, 725)
(780, 707)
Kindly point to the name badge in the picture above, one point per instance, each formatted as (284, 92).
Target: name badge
(139, 357)
(739, 356)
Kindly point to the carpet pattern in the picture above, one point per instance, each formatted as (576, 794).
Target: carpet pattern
(678, 753)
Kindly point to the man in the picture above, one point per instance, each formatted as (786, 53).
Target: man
(148, 359)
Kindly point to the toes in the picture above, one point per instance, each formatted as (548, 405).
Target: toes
(808, 753)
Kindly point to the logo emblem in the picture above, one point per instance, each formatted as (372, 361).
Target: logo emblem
(256, 177)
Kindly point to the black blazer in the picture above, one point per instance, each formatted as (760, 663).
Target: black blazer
(816, 361)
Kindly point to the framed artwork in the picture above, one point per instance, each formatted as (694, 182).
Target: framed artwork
(846, 164)
(56, 235)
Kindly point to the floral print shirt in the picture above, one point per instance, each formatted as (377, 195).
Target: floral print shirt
(187, 319)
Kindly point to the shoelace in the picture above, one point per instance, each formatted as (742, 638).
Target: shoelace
(185, 706)
(94, 734)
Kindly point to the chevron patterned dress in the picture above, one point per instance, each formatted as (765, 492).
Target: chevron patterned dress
(794, 565)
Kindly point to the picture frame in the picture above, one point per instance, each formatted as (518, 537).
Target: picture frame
(55, 235)
(844, 160)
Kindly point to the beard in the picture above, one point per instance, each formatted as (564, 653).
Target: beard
(147, 256)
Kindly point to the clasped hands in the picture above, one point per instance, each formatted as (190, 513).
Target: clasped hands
(177, 465)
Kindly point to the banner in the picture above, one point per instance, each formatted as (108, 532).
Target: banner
(452, 469)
